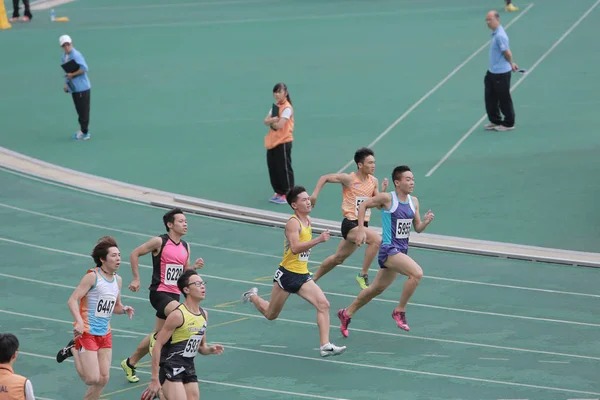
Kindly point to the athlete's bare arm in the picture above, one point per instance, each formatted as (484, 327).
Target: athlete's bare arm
(382, 200)
(292, 232)
(85, 285)
(344, 179)
(174, 320)
(151, 246)
(199, 263)
(119, 307)
(206, 350)
(419, 224)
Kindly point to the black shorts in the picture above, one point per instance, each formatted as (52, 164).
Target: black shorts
(159, 301)
(177, 372)
(290, 281)
(349, 224)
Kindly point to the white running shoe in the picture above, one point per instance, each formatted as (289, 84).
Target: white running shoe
(331, 349)
(246, 295)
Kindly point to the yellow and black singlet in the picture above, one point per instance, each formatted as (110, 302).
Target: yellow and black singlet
(297, 263)
(183, 345)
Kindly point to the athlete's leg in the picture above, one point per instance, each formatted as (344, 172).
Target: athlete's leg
(104, 361)
(129, 363)
(405, 265)
(312, 293)
(173, 390)
(373, 243)
(192, 391)
(344, 250)
(88, 368)
(384, 278)
(270, 309)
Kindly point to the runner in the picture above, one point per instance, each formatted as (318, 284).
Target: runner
(398, 211)
(170, 257)
(356, 187)
(92, 304)
(293, 276)
(177, 343)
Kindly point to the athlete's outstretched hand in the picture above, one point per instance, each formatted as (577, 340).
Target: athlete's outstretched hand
(199, 263)
(384, 184)
(152, 391)
(428, 217)
(134, 286)
(324, 236)
(129, 311)
(217, 349)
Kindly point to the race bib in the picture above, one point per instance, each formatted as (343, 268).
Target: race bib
(403, 228)
(277, 278)
(172, 273)
(191, 347)
(105, 306)
(360, 200)
(304, 255)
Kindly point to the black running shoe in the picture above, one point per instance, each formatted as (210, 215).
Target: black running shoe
(65, 352)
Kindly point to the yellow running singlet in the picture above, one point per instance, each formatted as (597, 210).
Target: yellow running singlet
(297, 263)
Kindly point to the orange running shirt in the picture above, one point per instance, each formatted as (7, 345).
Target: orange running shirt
(356, 194)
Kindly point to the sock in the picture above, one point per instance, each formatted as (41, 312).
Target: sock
(129, 365)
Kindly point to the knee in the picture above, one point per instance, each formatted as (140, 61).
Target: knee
(338, 259)
(375, 240)
(103, 380)
(417, 274)
(323, 304)
(272, 315)
(92, 380)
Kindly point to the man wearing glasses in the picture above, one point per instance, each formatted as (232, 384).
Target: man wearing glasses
(180, 339)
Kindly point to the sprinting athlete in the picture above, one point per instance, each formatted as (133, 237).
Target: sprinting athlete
(398, 212)
(170, 257)
(292, 276)
(177, 343)
(92, 304)
(356, 187)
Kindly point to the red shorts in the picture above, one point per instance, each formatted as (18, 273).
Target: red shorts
(93, 342)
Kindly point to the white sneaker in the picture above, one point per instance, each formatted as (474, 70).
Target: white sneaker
(246, 295)
(490, 127)
(502, 128)
(331, 349)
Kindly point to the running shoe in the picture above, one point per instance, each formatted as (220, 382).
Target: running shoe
(65, 352)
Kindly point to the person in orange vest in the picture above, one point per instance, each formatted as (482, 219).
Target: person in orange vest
(279, 143)
(12, 386)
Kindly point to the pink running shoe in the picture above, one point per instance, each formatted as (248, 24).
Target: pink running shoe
(400, 318)
(345, 319)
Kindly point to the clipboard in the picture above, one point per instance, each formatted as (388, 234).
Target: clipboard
(275, 110)
(70, 66)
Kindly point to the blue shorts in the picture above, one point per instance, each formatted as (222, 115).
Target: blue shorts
(386, 250)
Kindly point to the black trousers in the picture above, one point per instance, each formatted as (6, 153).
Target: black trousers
(16, 9)
(82, 106)
(279, 161)
(498, 99)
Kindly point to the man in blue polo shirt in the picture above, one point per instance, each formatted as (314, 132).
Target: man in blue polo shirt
(497, 79)
(78, 84)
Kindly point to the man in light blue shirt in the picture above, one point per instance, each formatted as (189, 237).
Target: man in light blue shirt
(78, 84)
(497, 80)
